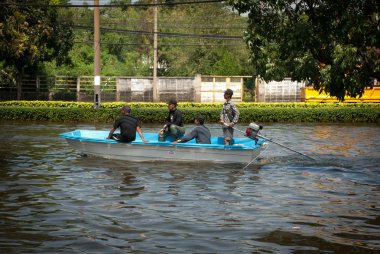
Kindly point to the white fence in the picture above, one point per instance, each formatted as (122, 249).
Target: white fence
(278, 91)
(213, 87)
(138, 89)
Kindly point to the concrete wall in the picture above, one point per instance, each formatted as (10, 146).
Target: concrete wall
(197, 89)
(213, 87)
(137, 89)
(141, 89)
(308, 94)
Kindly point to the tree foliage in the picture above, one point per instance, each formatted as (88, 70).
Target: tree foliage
(183, 50)
(332, 44)
(201, 53)
(200, 38)
(29, 35)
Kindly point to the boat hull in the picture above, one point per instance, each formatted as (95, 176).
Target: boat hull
(96, 145)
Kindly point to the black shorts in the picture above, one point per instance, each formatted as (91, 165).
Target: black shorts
(121, 138)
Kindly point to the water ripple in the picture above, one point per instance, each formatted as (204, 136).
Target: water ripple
(53, 200)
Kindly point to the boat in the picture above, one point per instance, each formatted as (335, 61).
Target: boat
(95, 143)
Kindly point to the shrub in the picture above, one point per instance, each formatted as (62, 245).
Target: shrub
(59, 111)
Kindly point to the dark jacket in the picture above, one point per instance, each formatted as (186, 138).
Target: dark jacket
(174, 117)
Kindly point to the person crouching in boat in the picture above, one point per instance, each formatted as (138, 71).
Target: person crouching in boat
(200, 132)
(128, 126)
(173, 123)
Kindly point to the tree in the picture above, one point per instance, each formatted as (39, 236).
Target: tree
(127, 41)
(332, 44)
(197, 53)
(30, 34)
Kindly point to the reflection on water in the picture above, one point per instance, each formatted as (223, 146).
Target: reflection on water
(346, 144)
(55, 201)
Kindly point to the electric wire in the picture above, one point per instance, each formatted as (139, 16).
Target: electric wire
(125, 31)
(112, 5)
(162, 45)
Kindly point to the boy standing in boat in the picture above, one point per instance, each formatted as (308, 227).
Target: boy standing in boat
(200, 132)
(173, 123)
(128, 126)
(228, 117)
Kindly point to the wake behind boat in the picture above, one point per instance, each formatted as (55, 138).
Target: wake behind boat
(94, 142)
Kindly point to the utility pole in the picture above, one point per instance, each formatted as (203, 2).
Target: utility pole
(155, 91)
(96, 54)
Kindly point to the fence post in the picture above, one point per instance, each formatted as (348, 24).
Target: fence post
(78, 89)
(242, 89)
(19, 84)
(117, 89)
(38, 84)
(197, 88)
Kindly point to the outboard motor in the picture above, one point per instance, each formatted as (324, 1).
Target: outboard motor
(252, 131)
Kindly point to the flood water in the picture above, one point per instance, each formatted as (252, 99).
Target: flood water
(54, 200)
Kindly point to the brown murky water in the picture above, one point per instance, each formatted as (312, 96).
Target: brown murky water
(53, 200)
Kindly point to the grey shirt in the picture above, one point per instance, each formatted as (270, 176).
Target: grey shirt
(201, 134)
(230, 113)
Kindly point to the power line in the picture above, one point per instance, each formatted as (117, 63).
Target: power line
(111, 5)
(125, 31)
(166, 25)
(161, 45)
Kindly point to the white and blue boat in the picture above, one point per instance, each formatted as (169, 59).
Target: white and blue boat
(95, 143)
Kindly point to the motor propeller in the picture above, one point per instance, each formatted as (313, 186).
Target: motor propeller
(253, 132)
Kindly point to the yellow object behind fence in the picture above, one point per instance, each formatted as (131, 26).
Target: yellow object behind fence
(308, 94)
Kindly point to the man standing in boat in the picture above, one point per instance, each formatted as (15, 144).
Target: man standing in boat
(128, 126)
(229, 117)
(200, 132)
(173, 123)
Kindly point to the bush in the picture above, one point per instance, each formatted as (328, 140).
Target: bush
(182, 105)
(158, 114)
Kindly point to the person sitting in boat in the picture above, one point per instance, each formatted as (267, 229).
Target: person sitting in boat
(200, 132)
(173, 123)
(128, 126)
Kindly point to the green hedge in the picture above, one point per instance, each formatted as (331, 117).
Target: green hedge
(158, 114)
(241, 105)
